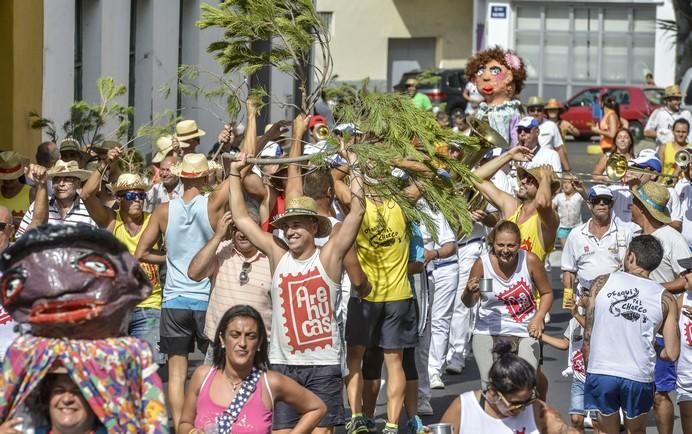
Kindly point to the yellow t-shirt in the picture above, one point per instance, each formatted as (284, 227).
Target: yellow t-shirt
(383, 247)
(18, 205)
(150, 270)
(668, 162)
(531, 234)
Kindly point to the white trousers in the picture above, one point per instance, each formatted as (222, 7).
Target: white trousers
(445, 281)
(463, 317)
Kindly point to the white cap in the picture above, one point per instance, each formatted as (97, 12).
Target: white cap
(599, 190)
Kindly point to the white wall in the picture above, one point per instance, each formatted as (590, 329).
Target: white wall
(498, 30)
(664, 70)
(58, 60)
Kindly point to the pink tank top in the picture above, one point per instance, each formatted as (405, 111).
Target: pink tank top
(254, 418)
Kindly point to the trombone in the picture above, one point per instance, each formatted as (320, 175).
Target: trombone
(682, 158)
(321, 132)
(617, 167)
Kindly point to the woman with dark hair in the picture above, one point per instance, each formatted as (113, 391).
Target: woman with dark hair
(610, 123)
(238, 392)
(508, 310)
(624, 145)
(508, 404)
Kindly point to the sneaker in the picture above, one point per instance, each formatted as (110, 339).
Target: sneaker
(390, 430)
(424, 407)
(356, 425)
(415, 425)
(454, 369)
(436, 382)
(370, 424)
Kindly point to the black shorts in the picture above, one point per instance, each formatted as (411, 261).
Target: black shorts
(325, 381)
(180, 328)
(391, 325)
(374, 359)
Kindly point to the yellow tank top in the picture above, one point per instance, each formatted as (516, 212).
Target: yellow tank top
(531, 235)
(669, 159)
(382, 248)
(150, 270)
(18, 205)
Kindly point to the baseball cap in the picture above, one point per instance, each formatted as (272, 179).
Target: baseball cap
(599, 190)
(528, 122)
(348, 129)
(272, 150)
(316, 120)
(647, 159)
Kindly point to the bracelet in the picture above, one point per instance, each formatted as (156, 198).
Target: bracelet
(237, 175)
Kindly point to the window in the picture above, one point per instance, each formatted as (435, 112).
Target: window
(326, 18)
(655, 96)
(621, 96)
(78, 49)
(454, 80)
(585, 98)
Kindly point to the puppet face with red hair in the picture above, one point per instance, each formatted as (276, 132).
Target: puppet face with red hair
(498, 74)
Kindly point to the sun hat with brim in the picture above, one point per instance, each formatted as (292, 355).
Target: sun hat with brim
(70, 144)
(163, 146)
(193, 166)
(535, 173)
(128, 182)
(12, 165)
(68, 169)
(535, 101)
(411, 82)
(553, 104)
(654, 197)
(672, 91)
(304, 206)
(186, 130)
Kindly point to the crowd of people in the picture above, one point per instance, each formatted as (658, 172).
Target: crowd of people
(300, 284)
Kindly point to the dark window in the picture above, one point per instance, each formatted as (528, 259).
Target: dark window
(453, 80)
(78, 49)
(584, 99)
(621, 96)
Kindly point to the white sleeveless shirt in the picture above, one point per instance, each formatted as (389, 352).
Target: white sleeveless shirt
(509, 308)
(304, 329)
(684, 364)
(475, 420)
(627, 316)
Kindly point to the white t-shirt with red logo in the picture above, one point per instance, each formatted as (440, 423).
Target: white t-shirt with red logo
(575, 334)
(507, 310)
(304, 328)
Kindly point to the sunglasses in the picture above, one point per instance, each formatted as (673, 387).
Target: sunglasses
(523, 130)
(132, 195)
(244, 271)
(3, 225)
(535, 110)
(601, 201)
(514, 407)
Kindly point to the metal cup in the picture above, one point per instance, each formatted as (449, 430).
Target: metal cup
(441, 428)
(485, 285)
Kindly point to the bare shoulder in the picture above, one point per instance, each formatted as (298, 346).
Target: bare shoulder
(199, 374)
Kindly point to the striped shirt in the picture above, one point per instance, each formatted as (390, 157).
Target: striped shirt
(77, 214)
(227, 291)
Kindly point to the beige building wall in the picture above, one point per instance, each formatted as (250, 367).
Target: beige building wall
(360, 31)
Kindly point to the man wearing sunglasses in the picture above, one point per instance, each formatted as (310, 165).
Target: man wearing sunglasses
(528, 132)
(127, 225)
(660, 123)
(549, 135)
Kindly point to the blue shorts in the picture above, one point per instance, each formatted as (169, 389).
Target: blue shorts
(607, 394)
(576, 398)
(664, 374)
(563, 232)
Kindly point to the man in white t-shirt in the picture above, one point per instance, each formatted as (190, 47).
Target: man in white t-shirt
(473, 98)
(549, 135)
(527, 132)
(7, 325)
(650, 213)
(660, 123)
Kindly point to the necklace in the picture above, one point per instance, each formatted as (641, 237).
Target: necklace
(234, 386)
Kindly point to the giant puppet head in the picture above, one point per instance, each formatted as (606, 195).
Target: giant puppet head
(498, 74)
(73, 282)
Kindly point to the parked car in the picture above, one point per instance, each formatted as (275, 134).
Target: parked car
(636, 104)
(442, 86)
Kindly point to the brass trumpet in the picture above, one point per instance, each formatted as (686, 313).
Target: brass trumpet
(682, 158)
(617, 167)
(321, 132)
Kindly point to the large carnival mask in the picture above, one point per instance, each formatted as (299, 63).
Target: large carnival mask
(76, 282)
(494, 79)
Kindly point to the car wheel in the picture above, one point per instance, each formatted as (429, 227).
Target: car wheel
(637, 130)
(456, 111)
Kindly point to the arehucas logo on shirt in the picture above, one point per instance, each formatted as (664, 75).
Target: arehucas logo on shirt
(626, 303)
(518, 300)
(4, 316)
(578, 362)
(307, 312)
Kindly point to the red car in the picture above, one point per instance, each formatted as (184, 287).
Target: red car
(636, 104)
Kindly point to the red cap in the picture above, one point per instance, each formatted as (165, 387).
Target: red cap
(315, 120)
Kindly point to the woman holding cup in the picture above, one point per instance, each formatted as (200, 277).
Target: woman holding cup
(503, 281)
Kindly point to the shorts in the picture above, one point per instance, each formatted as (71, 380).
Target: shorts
(145, 323)
(324, 381)
(563, 232)
(576, 397)
(684, 395)
(180, 328)
(665, 375)
(390, 325)
(374, 359)
(607, 394)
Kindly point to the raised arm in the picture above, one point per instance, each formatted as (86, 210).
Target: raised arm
(670, 329)
(152, 234)
(294, 183)
(38, 175)
(518, 153)
(544, 198)
(203, 264)
(100, 213)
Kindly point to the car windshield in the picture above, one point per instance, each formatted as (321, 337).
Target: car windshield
(654, 96)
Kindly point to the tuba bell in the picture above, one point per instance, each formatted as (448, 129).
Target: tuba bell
(488, 139)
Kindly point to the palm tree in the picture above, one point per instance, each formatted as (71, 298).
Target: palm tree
(682, 29)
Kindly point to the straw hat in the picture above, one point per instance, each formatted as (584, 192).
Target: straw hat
(193, 166)
(535, 101)
(654, 197)
(672, 91)
(129, 181)
(12, 165)
(411, 82)
(305, 207)
(554, 104)
(163, 146)
(186, 130)
(69, 168)
(535, 174)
